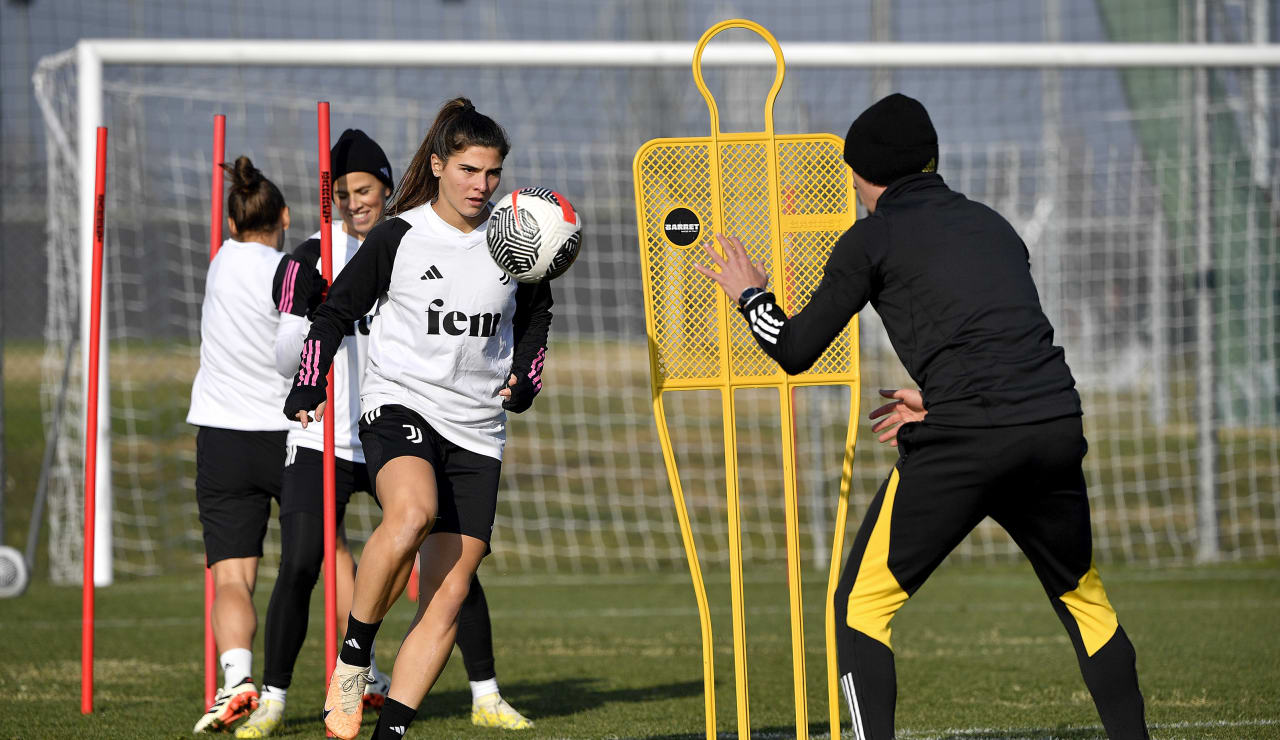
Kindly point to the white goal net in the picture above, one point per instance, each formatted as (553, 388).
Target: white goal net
(1122, 181)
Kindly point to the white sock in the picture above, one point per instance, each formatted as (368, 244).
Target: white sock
(483, 688)
(373, 660)
(274, 692)
(237, 664)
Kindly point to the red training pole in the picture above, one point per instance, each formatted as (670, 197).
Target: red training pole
(215, 202)
(215, 241)
(330, 495)
(91, 427)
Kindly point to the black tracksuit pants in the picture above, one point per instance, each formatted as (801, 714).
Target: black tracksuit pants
(1028, 479)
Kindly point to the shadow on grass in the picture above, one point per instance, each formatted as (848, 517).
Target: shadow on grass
(561, 697)
(536, 699)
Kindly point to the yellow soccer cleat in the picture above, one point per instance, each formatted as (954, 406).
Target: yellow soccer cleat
(228, 706)
(492, 710)
(344, 704)
(265, 720)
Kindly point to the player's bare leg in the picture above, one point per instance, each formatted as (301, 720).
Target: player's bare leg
(234, 618)
(407, 489)
(234, 623)
(345, 564)
(449, 560)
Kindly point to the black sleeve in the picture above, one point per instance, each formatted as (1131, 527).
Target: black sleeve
(530, 327)
(797, 342)
(357, 288)
(297, 287)
(309, 252)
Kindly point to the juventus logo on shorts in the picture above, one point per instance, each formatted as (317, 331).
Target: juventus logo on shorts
(414, 435)
(290, 455)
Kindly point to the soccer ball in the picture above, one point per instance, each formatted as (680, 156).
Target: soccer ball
(534, 234)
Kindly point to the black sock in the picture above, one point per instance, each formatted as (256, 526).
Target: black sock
(394, 720)
(358, 642)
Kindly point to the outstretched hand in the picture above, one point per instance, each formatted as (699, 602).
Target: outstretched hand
(736, 270)
(907, 406)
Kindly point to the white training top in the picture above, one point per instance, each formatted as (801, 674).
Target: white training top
(442, 343)
(348, 363)
(237, 386)
(442, 340)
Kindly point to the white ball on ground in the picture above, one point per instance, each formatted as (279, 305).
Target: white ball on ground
(13, 572)
(534, 234)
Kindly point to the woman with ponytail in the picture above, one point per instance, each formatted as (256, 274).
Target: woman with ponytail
(239, 448)
(362, 185)
(455, 345)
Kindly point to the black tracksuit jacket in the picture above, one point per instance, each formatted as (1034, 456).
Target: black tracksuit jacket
(952, 282)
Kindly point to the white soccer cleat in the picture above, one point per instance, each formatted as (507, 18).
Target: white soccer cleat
(228, 706)
(491, 710)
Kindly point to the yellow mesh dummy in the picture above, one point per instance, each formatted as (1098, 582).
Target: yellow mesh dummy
(788, 198)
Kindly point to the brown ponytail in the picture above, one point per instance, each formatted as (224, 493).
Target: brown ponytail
(254, 202)
(458, 126)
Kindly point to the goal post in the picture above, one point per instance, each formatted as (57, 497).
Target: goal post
(1113, 257)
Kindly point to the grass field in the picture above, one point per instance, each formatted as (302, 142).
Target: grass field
(980, 655)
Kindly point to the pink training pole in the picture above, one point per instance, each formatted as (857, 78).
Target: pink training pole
(215, 202)
(330, 495)
(91, 427)
(215, 242)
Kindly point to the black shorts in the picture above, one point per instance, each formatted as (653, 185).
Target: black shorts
(303, 489)
(466, 481)
(237, 475)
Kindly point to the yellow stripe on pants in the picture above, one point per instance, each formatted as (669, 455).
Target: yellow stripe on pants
(1092, 611)
(876, 595)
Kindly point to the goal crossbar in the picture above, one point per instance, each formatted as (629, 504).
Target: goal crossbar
(675, 54)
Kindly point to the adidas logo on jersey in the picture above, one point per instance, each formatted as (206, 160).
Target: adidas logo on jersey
(457, 323)
(432, 273)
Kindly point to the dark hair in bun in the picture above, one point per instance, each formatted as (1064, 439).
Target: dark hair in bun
(254, 202)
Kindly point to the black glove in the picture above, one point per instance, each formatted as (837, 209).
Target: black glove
(317, 290)
(528, 383)
(304, 398)
(522, 395)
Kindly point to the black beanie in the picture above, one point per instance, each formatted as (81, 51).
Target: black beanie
(356, 152)
(892, 139)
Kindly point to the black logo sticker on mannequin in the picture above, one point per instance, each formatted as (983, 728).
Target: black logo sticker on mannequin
(681, 227)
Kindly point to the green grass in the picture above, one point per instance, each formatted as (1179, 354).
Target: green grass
(980, 655)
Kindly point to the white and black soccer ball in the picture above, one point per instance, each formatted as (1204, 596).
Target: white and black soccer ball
(534, 234)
